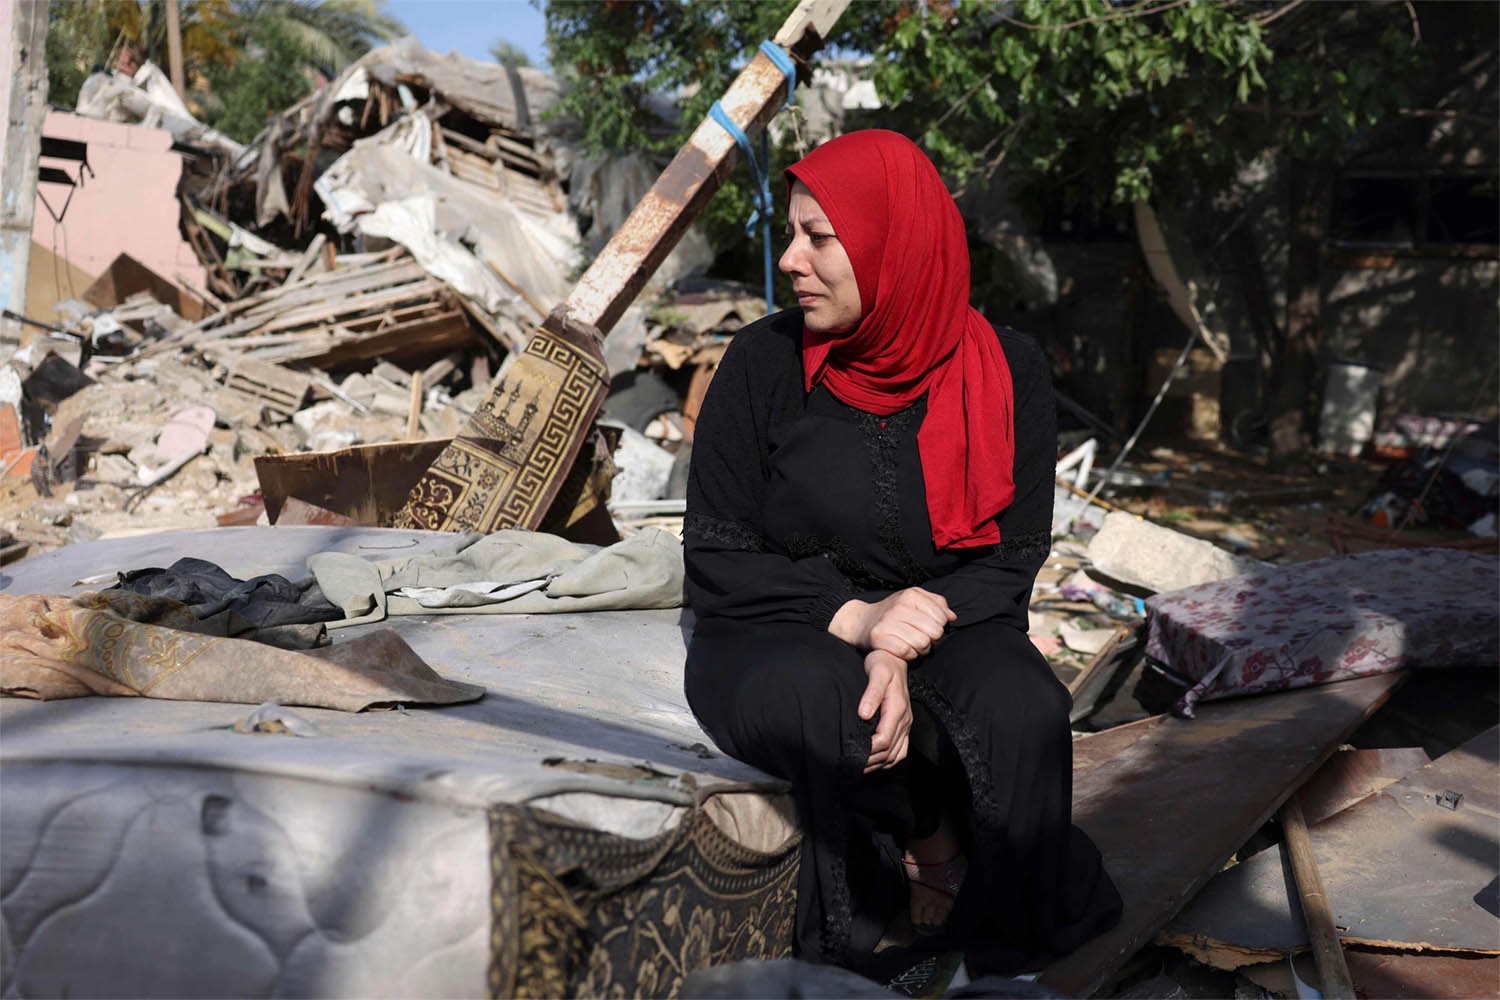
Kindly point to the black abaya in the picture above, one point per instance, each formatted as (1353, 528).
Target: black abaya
(798, 503)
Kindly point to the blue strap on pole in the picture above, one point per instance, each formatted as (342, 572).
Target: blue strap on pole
(760, 192)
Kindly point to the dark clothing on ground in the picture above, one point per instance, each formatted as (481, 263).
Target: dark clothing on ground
(259, 603)
(798, 503)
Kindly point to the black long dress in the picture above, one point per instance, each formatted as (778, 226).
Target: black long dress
(797, 503)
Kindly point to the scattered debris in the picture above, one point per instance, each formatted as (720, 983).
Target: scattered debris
(1387, 885)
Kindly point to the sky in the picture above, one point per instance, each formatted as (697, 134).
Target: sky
(470, 26)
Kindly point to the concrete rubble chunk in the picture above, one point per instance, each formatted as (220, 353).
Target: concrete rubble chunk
(1138, 553)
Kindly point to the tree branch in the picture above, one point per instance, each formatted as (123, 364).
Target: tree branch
(1142, 9)
(1269, 16)
(964, 99)
(1416, 25)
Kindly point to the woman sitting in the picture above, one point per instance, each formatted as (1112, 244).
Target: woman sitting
(869, 502)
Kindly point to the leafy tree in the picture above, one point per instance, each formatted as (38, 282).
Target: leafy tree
(243, 59)
(1109, 102)
(85, 33)
(330, 33)
(272, 77)
(506, 54)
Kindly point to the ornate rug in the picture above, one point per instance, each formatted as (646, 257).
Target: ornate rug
(581, 912)
(505, 467)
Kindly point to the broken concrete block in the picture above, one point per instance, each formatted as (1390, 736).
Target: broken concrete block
(1142, 554)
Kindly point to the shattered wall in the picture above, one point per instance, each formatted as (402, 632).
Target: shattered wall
(129, 205)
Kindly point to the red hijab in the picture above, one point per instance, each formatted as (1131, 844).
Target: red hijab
(918, 333)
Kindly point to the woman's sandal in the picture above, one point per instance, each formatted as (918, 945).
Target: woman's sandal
(945, 878)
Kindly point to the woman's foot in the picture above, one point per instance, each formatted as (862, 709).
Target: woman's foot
(935, 869)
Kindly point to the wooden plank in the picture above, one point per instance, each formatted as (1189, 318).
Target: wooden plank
(419, 340)
(1402, 870)
(1169, 800)
(1333, 971)
(367, 482)
(678, 196)
(1351, 775)
(309, 257)
(127, 276)
(282, 390)
(1099, 676)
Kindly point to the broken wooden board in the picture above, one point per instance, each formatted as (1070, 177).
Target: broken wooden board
(1099, 680)
(1169, 800)
(506, 465)
(279, 390)
(1402, 870)
(368, 483)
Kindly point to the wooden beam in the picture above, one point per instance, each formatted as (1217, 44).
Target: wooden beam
(1327, 952)
(695, 173)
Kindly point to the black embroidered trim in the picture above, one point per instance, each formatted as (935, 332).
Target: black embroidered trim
(1026, 547)
(838, 552)
(838, 922)
(723, 533)
(987, 811)
(881, 435)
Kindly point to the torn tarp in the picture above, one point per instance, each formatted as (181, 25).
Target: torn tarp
(469, 237)
(149, 99)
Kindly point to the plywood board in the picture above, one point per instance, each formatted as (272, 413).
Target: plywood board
(1169, 800)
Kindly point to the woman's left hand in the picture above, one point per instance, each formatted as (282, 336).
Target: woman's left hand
(886, 693)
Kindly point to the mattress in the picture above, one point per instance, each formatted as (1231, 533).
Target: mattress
(573, 830)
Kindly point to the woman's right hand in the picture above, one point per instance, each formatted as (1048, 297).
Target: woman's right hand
(906, 624)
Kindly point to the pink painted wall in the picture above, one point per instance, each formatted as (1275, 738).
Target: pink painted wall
(129, 205)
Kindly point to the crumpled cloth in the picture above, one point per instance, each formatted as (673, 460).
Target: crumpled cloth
(510, 571)
(261, 602)
(126, 644)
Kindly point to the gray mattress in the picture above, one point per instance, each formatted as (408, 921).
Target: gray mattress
(147, 849)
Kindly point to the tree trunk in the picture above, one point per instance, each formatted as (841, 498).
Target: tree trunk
(1295, 364)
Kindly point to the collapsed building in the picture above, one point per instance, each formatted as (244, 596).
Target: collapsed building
(552, 821)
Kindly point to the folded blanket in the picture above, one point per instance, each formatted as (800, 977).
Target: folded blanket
(510, 571)
(126, 644)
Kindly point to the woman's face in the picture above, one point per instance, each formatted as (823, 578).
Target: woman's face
(819, 268)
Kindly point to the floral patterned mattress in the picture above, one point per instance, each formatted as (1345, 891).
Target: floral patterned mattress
(1327, 620)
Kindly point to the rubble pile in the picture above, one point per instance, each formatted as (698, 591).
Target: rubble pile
(369, 263)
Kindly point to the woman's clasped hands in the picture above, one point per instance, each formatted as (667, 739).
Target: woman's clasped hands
(895, 631)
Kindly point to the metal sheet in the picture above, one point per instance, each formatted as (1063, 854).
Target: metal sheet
(1400, 870)
(1168, 801)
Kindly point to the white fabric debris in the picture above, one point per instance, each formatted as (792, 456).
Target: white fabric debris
(150, 100)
